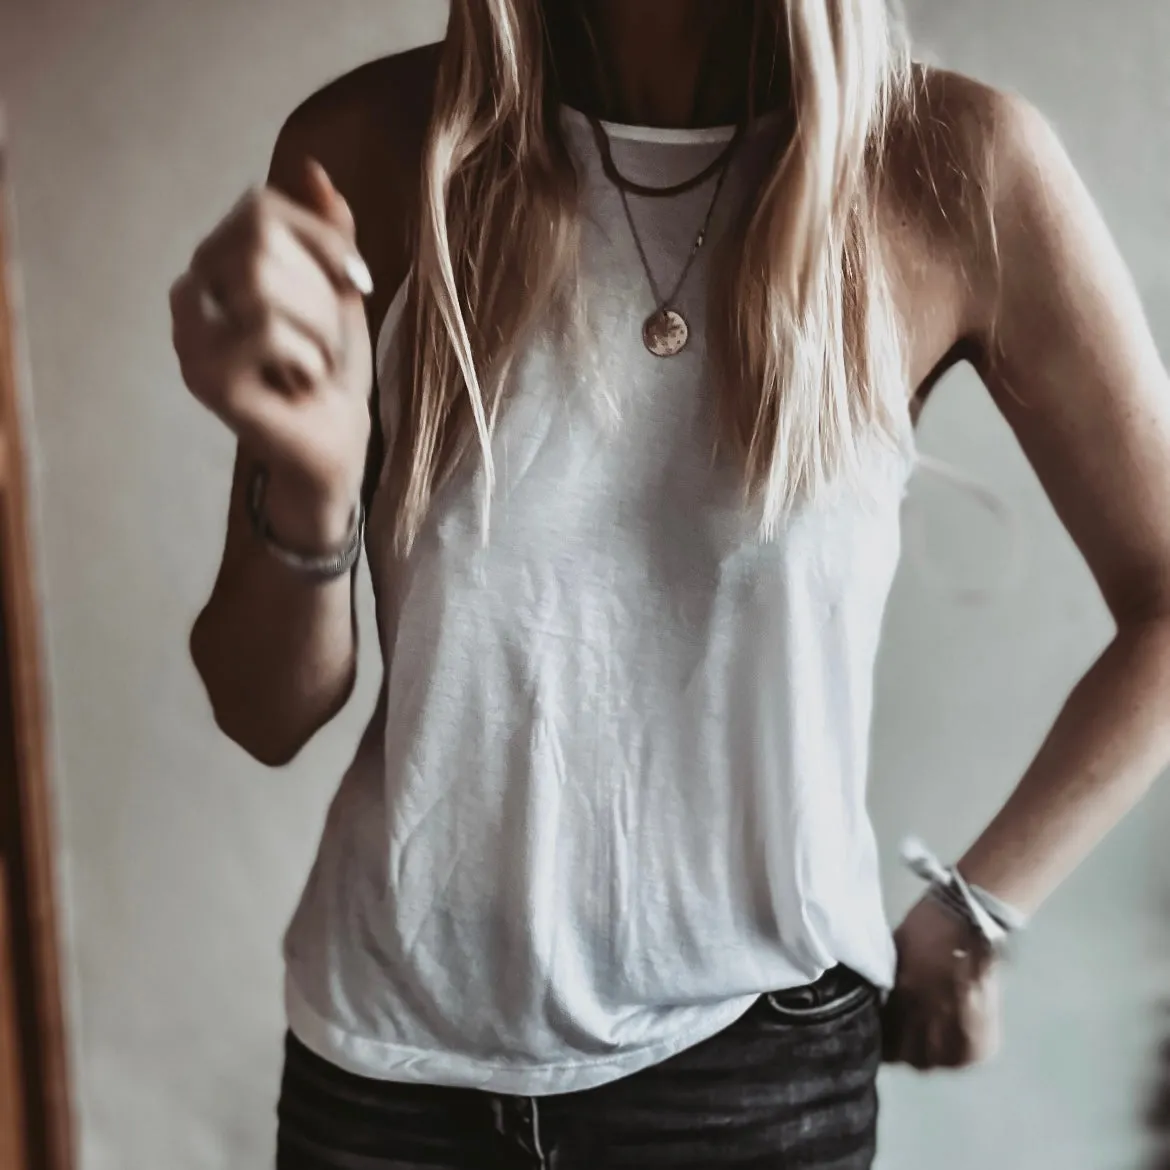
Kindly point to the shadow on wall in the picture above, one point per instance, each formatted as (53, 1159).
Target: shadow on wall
(1158, 1113)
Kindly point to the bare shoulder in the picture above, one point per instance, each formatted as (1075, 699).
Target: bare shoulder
(1060, 336)
(964, 162)
(387, 100)
(368, 129)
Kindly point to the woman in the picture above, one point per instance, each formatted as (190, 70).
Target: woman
(652, 290)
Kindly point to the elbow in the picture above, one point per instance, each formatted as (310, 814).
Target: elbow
(268, 750)
(238, 716)
(254, 735)
(1141, 603)
(272, 755)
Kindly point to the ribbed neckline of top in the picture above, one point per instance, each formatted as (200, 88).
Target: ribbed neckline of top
(670, 136)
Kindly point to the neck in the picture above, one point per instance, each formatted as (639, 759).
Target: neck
(668, 63)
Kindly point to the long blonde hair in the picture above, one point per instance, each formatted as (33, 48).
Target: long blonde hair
(804, 336)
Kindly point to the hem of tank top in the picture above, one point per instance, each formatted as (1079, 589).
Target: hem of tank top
(345, 1049)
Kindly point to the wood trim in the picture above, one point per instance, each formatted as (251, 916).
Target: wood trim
(12, 1104)
(26, 809)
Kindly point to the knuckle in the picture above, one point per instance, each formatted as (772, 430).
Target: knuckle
(253, 270)
(200, 382)
(955, 1058)
(253, 204)
(267, 329)
(269, 234)
(201, 258)
(186, 372)
(983, 1051)
(181, 344)
(966, 1048)
(189, 345)
(252, 217)
(232, 401)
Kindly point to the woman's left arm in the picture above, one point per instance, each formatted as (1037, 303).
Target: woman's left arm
(1069, 358)
(1071, 363)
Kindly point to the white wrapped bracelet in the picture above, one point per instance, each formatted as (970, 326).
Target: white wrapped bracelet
(993, 919)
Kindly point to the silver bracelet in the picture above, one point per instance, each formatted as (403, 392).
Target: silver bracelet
(993, 919)
(319, 567)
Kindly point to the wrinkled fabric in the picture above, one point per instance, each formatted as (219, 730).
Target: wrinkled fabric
(615, 785)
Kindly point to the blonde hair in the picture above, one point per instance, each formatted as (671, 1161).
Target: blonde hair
(804, 336)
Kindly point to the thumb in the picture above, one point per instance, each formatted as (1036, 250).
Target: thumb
(321, 196)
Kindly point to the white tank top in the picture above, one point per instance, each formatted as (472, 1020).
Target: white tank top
(615, 784)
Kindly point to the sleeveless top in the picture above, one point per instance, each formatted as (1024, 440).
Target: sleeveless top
(614, 787)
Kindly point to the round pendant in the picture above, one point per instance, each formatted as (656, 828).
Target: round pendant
(666, 333)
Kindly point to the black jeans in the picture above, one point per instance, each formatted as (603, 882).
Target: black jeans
(789, 1086)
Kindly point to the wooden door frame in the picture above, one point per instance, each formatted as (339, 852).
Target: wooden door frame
(27, 816)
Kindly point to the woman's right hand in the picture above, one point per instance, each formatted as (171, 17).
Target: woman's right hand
(272, 337)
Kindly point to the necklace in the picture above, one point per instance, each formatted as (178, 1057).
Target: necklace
(666, 331)
(630, 187)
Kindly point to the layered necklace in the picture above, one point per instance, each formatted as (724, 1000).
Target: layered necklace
(666, 330)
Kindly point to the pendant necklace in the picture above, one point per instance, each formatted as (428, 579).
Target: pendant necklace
(666, 331)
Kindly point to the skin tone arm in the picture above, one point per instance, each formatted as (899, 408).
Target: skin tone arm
(1070, 361)
(277, 653)
(1057, 332)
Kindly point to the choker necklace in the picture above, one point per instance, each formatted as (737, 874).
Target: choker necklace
(605, 149)
(666, 332)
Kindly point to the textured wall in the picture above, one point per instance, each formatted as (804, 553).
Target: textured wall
(135, 124)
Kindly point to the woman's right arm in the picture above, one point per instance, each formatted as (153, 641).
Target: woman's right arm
(289, 371)
(277, 655)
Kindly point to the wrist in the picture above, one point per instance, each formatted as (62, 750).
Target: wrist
(311, 520)
(994, 920)
(932, 939)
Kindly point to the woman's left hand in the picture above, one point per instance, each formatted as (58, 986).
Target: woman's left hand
(944, 1011)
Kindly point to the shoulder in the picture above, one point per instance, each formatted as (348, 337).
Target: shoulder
(964, 163)
(956, 144)
(380, 100)
(368, 130)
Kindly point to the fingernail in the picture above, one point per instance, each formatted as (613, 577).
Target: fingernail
(358, 275)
